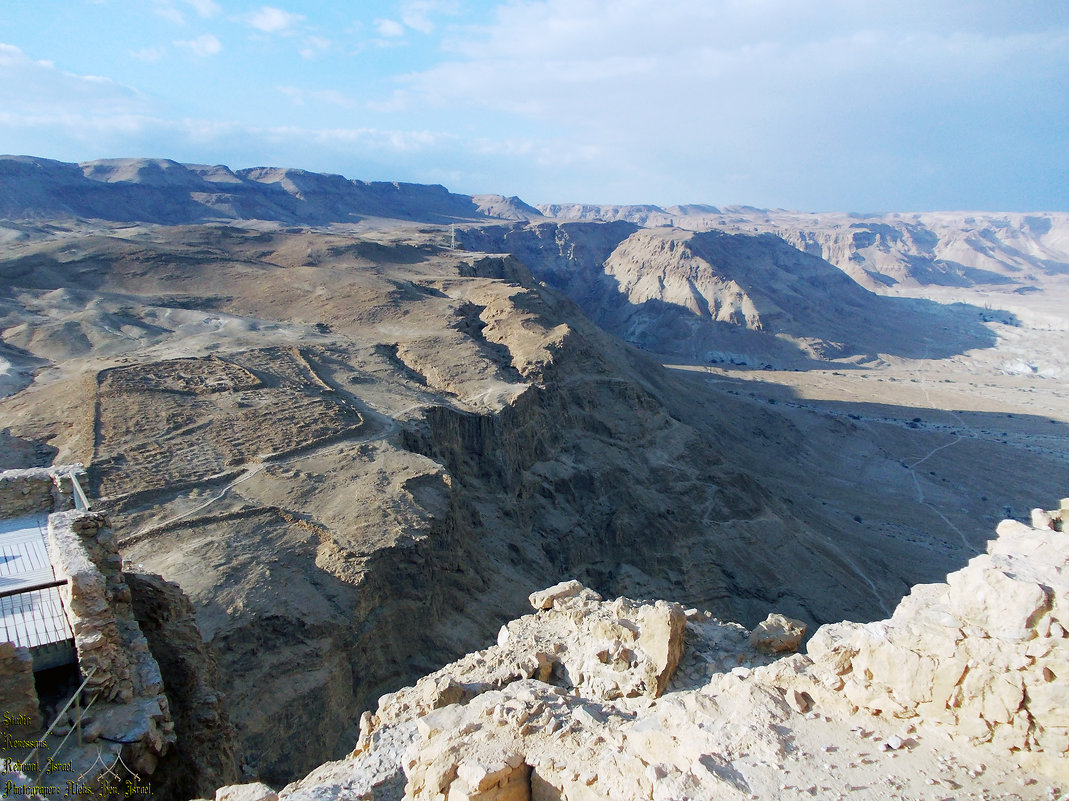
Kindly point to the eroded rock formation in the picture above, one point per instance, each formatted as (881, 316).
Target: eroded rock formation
(984, 655)
(574, 703)
(204, 753)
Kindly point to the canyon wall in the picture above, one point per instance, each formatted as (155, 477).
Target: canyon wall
(564, 707)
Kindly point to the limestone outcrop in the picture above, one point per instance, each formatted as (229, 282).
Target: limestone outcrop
(985, 655)
(593, 699)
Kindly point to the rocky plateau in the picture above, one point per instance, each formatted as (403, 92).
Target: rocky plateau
(354, 450)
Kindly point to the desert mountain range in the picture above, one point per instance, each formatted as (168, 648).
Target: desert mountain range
(356, 450)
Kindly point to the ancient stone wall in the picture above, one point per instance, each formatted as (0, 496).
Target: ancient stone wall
(79, 547)
(986, 654)
(37, 490)
(106, 633)
(18, 696)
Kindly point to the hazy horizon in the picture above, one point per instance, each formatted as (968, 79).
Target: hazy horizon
(845, 106)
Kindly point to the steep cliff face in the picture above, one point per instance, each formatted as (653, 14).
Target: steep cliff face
(951, 249)
(350, 453)
(356, 452)
(879, 251)
(570, 702)
(205, 753)
(716, 297)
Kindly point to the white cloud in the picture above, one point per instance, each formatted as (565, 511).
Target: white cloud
(203, 45)
(395, 142)
(331, 97)
(389, 28)
(167, 10)
(417, 14)
(313, 46)
(274, 20)
(702, 90)
(148, 54)
(205, 8)
(31, 87)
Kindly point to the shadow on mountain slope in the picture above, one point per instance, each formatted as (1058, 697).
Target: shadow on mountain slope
(166, 192)
(711, 297)
(909, 493)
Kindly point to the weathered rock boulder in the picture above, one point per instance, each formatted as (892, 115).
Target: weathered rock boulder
(777, 634)
(1057, 519)
(545, 599)
(606, 650)
(255, 791)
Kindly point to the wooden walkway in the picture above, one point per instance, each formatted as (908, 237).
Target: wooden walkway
(33, 619)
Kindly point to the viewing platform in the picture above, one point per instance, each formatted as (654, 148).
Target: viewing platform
(33, 614)
(31, 610)
(79, 685)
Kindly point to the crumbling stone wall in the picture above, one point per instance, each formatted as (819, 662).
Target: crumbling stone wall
(18, 695)
(986, 654)
(37, 490)
(83, 552)
(106, 633)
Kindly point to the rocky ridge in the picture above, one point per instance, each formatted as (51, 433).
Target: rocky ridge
(718, 297)
(165, 192)
(350, 450)
(950, 248)
(593, 699)
(408, 438)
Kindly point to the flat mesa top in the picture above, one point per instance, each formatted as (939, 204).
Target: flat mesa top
(35, 618)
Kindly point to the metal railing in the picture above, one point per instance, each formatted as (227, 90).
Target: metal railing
(75, 699)
(35, 615)
(81, 502)
(33, 588)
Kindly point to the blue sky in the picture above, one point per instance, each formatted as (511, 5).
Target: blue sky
(837, 105)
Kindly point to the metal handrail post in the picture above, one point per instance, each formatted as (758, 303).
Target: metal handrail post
(59, 715)
(79, 494)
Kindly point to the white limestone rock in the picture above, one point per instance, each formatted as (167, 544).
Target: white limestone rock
(547, 598)
(778, 634)
(575, 701)
(255, 791)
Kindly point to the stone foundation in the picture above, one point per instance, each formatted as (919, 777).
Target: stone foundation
(19, 710)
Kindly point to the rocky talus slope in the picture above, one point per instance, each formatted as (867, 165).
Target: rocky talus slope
(962, 693)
